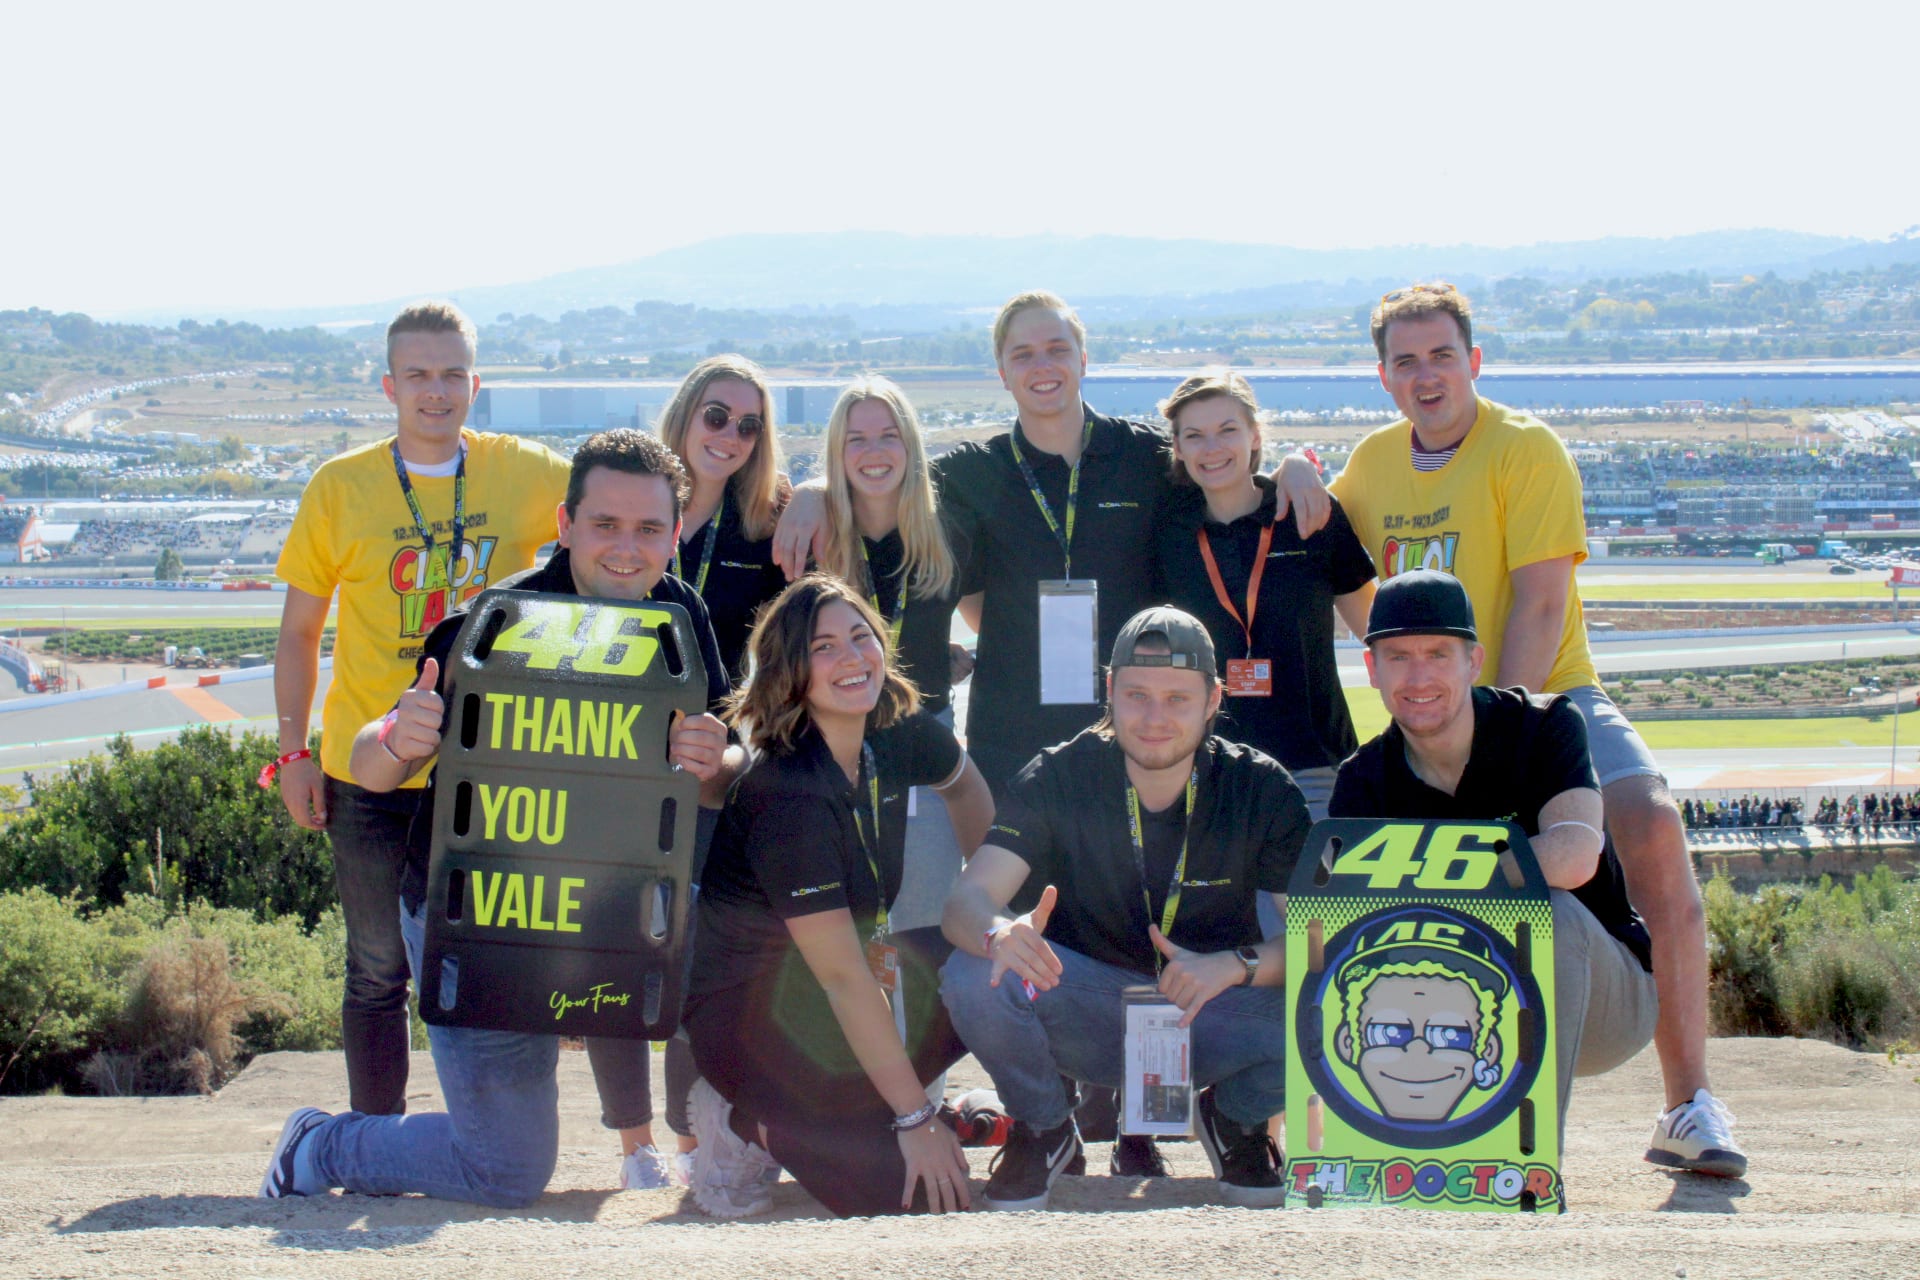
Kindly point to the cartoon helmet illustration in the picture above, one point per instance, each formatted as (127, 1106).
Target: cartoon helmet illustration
(1421, 994)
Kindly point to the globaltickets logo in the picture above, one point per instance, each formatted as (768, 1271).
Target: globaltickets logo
(1398, 555)
(429, 588)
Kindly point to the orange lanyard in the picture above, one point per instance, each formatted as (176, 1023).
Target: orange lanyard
(1253, 580)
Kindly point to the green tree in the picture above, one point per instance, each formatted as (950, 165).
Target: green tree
(169, 567)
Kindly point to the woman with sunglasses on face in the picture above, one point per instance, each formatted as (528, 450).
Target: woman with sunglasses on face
(886, 539)
(1267, 596)
(720, 423)
(815, 1021)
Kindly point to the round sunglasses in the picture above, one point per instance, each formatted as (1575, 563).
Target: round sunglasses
(715, 417)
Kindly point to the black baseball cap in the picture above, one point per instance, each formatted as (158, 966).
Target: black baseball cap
(1421, 602)
(1189, 646)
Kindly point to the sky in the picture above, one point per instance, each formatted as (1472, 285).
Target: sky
(203, 155)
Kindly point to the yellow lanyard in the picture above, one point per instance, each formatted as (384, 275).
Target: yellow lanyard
(1172, 907)
(870, 844)
(1065, 539)
(899, 615)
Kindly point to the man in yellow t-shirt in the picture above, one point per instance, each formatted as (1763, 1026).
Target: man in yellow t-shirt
(1491, 496)
(404, 530)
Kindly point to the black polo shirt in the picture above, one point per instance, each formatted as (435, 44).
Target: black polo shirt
(787, 846)
(741, 576)
(1011, 550)
(554, 578)
(927, 628)
(1304, 723)
(1065, 816)
(1527, 749)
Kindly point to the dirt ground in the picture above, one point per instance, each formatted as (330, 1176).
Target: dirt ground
(165, 1186)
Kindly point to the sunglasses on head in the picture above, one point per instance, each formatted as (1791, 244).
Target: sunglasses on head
(1410, 290)
(716, 418)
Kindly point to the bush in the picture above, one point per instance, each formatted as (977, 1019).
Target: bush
(60, 984)
(1838, 962)
(132, 1000)
(183, 820)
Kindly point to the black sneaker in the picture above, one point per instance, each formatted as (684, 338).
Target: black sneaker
(1244, 1159)
(1024, 1170)
(1136, 1155)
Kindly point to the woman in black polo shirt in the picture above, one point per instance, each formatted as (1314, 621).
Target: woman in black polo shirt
(794, 1030)
(885, 537)
(720, 423)
(1266, 595)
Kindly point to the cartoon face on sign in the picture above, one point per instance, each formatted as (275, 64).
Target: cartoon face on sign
(1426, 1042)
(1420, 1035)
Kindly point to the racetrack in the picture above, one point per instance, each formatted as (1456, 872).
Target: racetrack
(37, 734)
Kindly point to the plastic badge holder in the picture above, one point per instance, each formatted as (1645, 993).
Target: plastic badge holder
(562, 838)
(1420, 1059)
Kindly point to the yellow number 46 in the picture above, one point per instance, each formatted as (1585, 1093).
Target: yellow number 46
(599, 639)
(1457, 857)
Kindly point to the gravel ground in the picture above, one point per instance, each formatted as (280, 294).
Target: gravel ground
(165, 1186)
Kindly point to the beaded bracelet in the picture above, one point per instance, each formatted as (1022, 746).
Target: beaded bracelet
(914, 1119)
(267, 774)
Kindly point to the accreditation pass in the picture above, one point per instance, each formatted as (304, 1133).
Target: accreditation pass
(1157, 1092)
(1069, 641)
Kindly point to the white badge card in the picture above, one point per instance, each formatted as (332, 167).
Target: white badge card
(1157, 1092)
(1069, 641)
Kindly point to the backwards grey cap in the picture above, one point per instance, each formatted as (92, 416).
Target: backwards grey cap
(1189, 646)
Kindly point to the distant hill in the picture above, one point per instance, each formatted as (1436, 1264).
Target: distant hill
(886, 279)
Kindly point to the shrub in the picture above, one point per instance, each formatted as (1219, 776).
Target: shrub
(60, 984)
(184, 820)
(132, 1000)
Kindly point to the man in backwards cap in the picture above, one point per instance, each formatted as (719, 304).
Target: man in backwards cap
(1457, 751)
(1152, 840)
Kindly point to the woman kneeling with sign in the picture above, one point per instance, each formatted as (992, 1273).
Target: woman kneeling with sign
(815, 1027)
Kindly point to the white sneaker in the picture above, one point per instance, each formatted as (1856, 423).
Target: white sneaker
(683, 1168)
(1698, 1136)
(645, 1169)
(728, 1172)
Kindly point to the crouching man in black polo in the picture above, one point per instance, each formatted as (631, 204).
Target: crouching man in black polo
(1455, 751)
(1147, 841)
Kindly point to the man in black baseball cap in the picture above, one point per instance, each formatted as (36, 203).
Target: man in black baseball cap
(1459, 752)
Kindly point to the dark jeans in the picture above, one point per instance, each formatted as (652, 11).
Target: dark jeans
(622, 1074)
(826, 1123)
(368, 832)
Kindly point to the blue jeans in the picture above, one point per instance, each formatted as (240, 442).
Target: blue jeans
(368, 833)
(495, 1144)
(1078, 1030)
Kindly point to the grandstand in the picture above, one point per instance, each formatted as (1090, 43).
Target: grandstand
(254, 538)
(1676, 490)
(20, 535)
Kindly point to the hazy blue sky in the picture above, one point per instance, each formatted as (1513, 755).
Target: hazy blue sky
(202, 154)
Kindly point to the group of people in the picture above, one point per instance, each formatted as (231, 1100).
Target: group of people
(1154, 722)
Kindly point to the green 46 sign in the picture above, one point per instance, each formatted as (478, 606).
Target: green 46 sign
(597, 638)
(1456, 857)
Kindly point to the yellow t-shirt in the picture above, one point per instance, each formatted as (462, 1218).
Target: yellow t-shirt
(1510, 497)
(355, 532)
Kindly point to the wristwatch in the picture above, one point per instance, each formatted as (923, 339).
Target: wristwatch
(1250, 957)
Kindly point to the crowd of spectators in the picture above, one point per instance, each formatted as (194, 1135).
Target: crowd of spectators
(13, 522)
(1869, 814)
(1682, 487)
